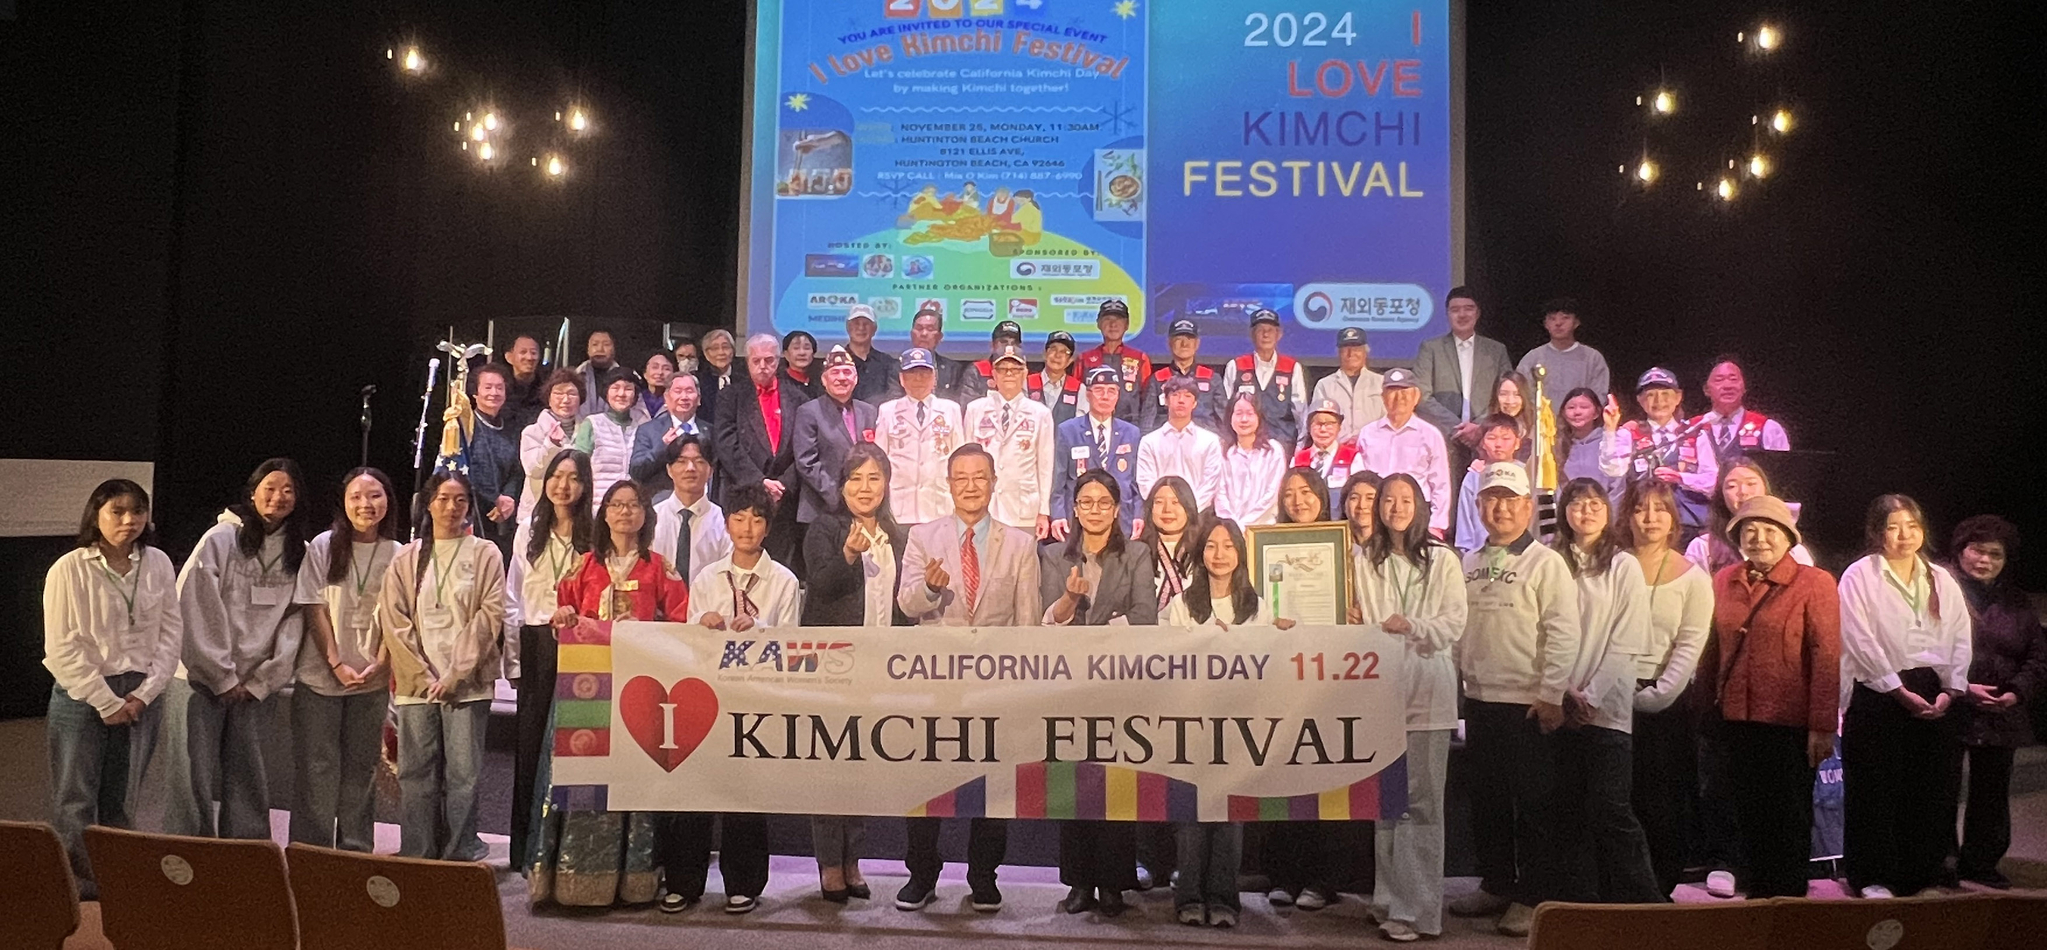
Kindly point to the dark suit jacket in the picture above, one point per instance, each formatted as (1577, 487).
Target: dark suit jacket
(1120, 463)
(959, 381)
(821, 447)
(880, 377)
(1435, 368)
(742, 436)
(646, 467)
(837, 596)
(1128, 588)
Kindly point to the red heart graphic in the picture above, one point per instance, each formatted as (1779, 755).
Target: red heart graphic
(696, 707)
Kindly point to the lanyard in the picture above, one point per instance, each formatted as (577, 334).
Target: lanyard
(362, 580)
(557, 564)
(134, 584)
(1415, 581)
(264, 566)
(441, 570)
(1913, 598)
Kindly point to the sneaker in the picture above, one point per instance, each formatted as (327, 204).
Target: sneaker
(986, 898)
(1222, 917)
(1720, 883)
(673, 903)
(915, 894)
(1399, 931)
(1144, 878)
(741, 904)
(1191, 915)
(1477, 904)
(1278, 897)
(1875, 892)
(1517, 921)
(1314, 899)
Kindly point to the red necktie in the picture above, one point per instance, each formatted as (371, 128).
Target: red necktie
(741, 603)
(970, 570)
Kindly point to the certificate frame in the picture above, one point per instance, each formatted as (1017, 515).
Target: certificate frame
(1329, 539)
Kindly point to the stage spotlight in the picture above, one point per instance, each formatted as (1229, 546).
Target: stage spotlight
(1768, 37)
(1664, 103)
(476, 132)
(490, 121)
(578, 121)
(1725, 189)
(485, 152)
(414, 62)
(555, 168)
(1758, 166)
(1646, 171)
(1780, 121)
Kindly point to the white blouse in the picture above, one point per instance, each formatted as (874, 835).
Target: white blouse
(1434, 603)
(351, 606)
(1888, 626)
(1680, 615)
(1249, 492)
(97, 624)
(878, 567)
(1613, 612)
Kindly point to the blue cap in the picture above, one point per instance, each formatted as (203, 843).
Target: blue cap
(1657, 378)
(1061, 337)
(1007, 329)
(1264, 315)
(1184, 327)
(917, 357)
(1104, 375)
(1350, 336)
(1398, 377)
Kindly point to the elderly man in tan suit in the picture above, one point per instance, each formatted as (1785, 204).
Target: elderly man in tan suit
(966, 569)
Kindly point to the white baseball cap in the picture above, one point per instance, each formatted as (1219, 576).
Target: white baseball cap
(1508, 475)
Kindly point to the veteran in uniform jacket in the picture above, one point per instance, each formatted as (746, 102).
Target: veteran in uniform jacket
(1017, 430)
(919, 431)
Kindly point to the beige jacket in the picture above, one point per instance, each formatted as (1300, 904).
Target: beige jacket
(481, 614)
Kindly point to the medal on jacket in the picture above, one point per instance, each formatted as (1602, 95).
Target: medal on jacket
(941, 436)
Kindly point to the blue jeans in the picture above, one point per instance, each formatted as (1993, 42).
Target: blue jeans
(1210, 854)
(440, 756)
(214, 754)
(336, 744)
(94, 770)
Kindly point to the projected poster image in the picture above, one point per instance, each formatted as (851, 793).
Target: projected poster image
(1027, 160)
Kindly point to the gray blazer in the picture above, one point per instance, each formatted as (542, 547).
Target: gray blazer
(1435, 367)
(821, 446)
(1009, 578)
(1128, 588)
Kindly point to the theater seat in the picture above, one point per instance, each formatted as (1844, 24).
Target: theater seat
(1739, 925)
(352, 901)
(1906, 923)
(42, 903)
(2019, 914)
(166, 892)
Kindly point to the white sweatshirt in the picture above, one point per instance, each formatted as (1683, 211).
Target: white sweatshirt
(1433, 601)
(1522, 630)
(1680, 615)
(1613, 608)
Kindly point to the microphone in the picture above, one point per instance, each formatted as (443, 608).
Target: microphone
(433, 371)
(368, 391)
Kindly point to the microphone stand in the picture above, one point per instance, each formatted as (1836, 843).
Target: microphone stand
(1662, 451)
(367, 392)
(433, 368)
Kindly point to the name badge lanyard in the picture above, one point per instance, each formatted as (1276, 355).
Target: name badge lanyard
(128, 589)
(1415, 581)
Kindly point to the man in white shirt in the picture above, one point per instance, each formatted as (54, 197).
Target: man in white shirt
(1275, 380)
(689, 529)
(1353, 388)
(1180, 447)
(1520, 643)
(678, 418)
(919, 431)
(1570, 364)
(1734, 429)
(1017, 430)
(1399, 442)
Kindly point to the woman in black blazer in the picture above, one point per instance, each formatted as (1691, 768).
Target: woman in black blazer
(853, 558)
(1097, 577)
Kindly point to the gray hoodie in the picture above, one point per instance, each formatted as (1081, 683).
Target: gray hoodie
(241, 627)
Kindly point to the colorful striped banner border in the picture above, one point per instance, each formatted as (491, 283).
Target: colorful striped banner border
(1096, 792)
(967, 801)
(581, 797)
(570, 743)
(578, 686)
(588, 633)
(1380, 797)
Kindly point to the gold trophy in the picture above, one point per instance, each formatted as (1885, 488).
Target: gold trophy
(458, 421)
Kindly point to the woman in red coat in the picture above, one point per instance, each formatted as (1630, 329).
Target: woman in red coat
(599, 858)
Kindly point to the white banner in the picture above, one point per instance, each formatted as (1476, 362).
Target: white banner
(1118, 722)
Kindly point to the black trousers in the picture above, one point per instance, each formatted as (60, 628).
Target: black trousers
(1606, 850)
(537, 652)
(1158, 850)
(682, 846)
(1770, 782)
(1666, 787)
(1986, 826)
(1299, 855)
(1513, 786)
(987, 845)
(1898, 789)
(1717, 841)
(1098, 854)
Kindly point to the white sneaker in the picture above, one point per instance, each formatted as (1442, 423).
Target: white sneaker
(1876, 892)
(1278, 897)
(1312, 899)
(1720, 883)
(1399, 931)
(1517, 921)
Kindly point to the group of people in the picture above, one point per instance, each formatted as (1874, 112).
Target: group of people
(1646, 687)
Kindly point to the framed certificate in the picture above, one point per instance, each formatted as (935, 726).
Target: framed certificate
(1303, 570)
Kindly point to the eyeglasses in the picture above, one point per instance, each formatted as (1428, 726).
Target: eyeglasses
(622, 506)
(1094, 504)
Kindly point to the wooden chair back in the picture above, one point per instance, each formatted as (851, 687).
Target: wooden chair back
(168, 892)
(352, 901)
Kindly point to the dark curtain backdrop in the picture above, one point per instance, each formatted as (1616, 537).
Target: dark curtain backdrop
(225, 217)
